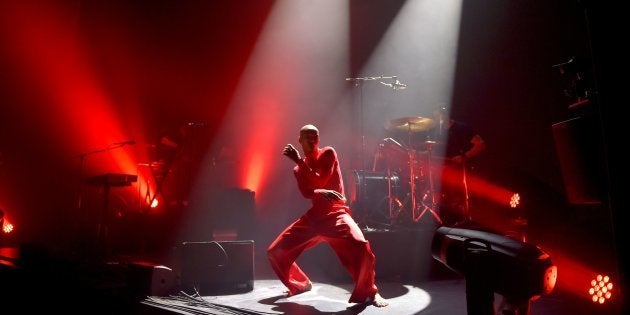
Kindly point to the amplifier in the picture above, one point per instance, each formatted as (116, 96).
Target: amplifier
(217, 267)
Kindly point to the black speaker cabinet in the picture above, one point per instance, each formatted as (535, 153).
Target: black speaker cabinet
(579, 150)
(217, 267)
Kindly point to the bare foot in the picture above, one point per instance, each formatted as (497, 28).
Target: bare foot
(379, 301)
(308, 287)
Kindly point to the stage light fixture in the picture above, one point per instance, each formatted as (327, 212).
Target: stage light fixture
(519, 271)
(7, 228)
(515, 200)
(601, 289)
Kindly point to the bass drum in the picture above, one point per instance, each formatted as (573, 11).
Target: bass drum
(367, 193)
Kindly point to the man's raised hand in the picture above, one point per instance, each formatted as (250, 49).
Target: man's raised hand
(290, 152)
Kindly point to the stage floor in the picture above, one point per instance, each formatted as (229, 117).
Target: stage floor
(439, 297)
(436, 297)
(37, 281)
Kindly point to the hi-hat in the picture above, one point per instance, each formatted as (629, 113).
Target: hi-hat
(410, 124)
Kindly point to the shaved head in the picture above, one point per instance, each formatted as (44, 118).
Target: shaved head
(309, 138)
(309, 128)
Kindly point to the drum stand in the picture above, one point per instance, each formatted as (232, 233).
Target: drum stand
(416, 214)
(393, 215)
(391, 198)
(467, 217)
(430, 194)
(411, 125)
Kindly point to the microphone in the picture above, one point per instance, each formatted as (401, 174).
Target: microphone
(571, 61)
(399, 86)
(197, 124)
(387, 84)
(128, 142)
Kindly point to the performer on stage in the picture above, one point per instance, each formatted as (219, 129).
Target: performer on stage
(329, 220)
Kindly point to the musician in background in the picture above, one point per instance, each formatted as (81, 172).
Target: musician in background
(458, 145)
(172, 143)
(462, 142)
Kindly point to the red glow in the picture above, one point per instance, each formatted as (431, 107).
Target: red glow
(7, 227)
(453, 177)
(485, 189)
(515, 200)
(153, 205)
(581, 280)
(47, 51)
(258, 151)
(146, 184)
(147, 187)
(255, 172)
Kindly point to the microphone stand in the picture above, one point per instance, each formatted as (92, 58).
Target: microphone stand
(358, 82)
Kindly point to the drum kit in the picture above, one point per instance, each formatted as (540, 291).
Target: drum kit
(401, 187)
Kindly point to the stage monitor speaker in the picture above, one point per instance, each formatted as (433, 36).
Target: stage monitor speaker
(579, 151)
(147, 279)
(217, 267)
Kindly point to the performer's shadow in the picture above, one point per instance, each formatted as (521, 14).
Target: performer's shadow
(326, 299)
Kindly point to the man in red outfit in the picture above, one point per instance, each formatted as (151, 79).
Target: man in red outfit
(328, 220)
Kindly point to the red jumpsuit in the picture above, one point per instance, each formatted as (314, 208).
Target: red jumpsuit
(326, 221)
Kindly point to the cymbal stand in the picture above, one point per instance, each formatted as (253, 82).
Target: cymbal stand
(431, 192)
(412, 175)
(391, 199)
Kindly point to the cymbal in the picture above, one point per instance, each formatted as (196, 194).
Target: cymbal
(410, 124)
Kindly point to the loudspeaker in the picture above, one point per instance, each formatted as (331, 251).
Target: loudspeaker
(217, 267)
(147, 279)
(232, 211)
(579, 150)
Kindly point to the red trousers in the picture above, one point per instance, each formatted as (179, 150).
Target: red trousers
(338, 229)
